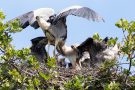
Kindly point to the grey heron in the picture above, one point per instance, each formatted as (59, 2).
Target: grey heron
(54, 25)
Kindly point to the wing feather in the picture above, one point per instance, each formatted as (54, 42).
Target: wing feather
(29, 18)
(80, 11)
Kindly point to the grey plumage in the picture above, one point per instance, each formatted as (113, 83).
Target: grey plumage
(38, 49)
(96, 52)
(93, 47)
(110, 53)
(76, 53)
(79, 11)
(85, 57)
(29, 18)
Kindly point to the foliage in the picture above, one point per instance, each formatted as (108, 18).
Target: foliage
(76, 83)
(128, 44)
(112, 41)
(112, 86)
(20, 70)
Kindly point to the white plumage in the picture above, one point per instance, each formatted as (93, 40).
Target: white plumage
(109, 53)
(70, 53)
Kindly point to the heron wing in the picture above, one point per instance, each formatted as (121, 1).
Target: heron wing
(86, 43)
(29, 18)
(38, 40)
(80, 11)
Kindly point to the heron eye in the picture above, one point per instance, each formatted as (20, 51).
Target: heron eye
(37, 17)
(52, 17)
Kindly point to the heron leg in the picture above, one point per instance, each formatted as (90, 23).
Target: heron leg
(54, 51)
(48, 49)
(80, 63)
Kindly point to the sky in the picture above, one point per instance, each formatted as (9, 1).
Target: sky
(78, 28)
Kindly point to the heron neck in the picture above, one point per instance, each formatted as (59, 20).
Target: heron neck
(65, 50)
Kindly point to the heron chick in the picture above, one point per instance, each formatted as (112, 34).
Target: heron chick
(96, 52)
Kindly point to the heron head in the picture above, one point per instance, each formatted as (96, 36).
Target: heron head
(38, 17)
(100, 46)
(51, 18)
(104, 43)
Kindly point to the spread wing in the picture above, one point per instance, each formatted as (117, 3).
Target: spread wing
(85, 44)
(30, 17)
(90, 42)
(80, 11)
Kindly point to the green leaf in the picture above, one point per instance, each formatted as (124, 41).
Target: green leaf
(132, 26)
(15, 75)
(122, 23)
(30, 85)
(125, 49)
(14, 26)
(112, 41)
(112, 86)
(118, 24)
(96, 37)
(44, 76)
(125, 71)
(13, 72)
(51, 62)
(36, 81)
(2, 16)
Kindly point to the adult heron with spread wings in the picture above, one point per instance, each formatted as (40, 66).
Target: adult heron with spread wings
(54, 26)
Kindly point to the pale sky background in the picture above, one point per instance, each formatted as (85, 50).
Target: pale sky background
(78, 28)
